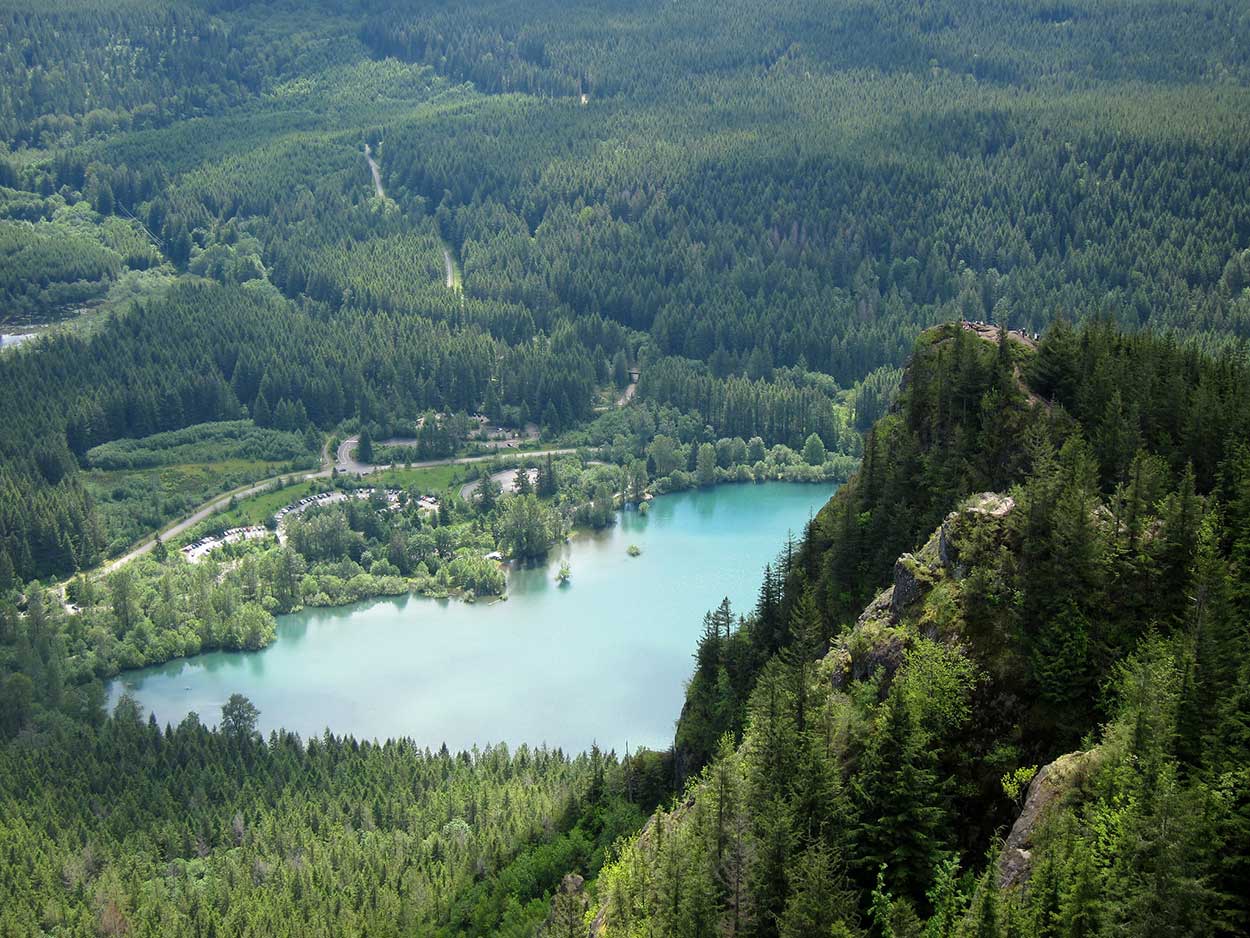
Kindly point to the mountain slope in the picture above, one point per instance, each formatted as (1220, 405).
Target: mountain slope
(1045, 552)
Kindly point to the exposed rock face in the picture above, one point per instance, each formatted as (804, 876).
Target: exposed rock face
(1049, 786)
(568, 906)
(908, 587)
(600, 922)
(886, 627)
(991, 505)
(880, 609)
(676, 818)
(947, 553)
(873, 642)
(876, 645)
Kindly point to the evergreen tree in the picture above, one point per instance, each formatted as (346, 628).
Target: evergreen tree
(261, 415)
(897, 802)
(820, 902)
(705, 470)
(814, 450)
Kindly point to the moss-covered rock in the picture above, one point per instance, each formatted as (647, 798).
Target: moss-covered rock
(926, 598)
(1050, 788)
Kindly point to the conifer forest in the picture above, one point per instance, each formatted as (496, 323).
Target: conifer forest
(309, 307)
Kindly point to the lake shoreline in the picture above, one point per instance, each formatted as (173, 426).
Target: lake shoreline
(345, 662)
(468, 597)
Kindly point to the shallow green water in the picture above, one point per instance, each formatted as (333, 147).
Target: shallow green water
(603, 658)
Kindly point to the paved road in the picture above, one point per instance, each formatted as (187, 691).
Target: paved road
(208, 508)
(343, 462)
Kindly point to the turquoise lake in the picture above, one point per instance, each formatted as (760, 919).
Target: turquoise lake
(602, 658)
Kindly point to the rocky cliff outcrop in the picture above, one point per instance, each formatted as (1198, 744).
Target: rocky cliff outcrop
(1050, 788)
(599, 924)
(886, 627)
(986, 506)
(924, 583)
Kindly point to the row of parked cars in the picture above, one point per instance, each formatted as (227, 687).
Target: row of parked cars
(197, 549)
(326, 498)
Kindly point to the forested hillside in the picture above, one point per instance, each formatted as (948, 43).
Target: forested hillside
(187, 831)
(997, 686)
(1026, 614)
(1026, 572)
(783, 201)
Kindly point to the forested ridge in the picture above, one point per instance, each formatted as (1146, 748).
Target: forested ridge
(1060, 582)
(998, 686)
(503, 47)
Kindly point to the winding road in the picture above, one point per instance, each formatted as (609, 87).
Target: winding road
(344, 462)
(211, 507)
(451, 277)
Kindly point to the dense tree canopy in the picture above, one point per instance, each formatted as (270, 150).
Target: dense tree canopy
(703, 238)
(1093, 599)
(742, 211)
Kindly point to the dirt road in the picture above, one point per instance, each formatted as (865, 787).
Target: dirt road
(377, 175)
(453, 280)
(628, 394)
(451, 275)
